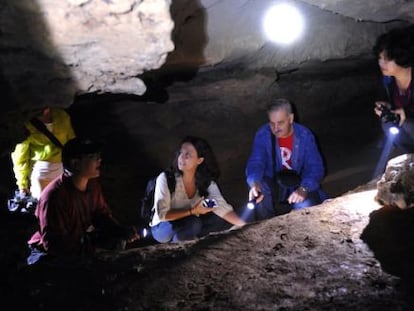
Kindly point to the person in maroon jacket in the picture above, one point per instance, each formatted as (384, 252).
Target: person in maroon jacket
(72, 213)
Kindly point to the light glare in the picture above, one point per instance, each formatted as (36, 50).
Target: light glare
(250, 205)
(144, 233)
(283, 24)
(394, 130)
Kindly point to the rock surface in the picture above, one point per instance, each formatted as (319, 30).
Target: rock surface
(53, 50)
(395, 188)
(346, 254)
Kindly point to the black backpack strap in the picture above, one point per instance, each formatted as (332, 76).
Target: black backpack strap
(151, 185)
(42, 128)
(170, 180)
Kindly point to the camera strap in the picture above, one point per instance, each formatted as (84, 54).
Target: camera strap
(43, 129)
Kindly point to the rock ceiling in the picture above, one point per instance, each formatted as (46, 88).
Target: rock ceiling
(81, 46)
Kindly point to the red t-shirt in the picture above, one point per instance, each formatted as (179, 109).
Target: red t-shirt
(286, 148)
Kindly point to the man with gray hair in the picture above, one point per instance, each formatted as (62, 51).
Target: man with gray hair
(285, 166)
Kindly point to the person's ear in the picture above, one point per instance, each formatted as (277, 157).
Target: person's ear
(291, 118)
(200, 160)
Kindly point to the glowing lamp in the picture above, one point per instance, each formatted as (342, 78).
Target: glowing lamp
(283, 24)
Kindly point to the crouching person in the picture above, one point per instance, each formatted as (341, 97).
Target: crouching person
(73, 216)
(181, 211)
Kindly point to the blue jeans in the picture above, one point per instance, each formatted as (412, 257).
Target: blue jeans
(188, 228)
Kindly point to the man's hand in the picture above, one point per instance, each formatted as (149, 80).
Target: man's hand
(24, 192)
(298, 196)
(132, 235)
(256, 193)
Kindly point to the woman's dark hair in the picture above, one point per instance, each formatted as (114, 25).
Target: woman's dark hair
(208, 170)
(398, 45)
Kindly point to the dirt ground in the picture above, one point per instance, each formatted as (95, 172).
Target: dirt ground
(346, 254)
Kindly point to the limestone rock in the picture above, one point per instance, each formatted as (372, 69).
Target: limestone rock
(396, 187)
(52, 50)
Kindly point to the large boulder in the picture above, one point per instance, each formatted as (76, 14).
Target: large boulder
(396, 186)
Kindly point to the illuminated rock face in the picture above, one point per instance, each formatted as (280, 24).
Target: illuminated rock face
(396, 187)
(53, 50)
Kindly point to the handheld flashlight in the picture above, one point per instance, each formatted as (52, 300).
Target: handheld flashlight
(252, 203)
(394, 130)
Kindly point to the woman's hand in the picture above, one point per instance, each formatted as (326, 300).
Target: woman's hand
(401, 113)
(199, 209)
(378, 107)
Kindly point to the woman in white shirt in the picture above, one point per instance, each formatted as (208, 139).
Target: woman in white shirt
(180, 214)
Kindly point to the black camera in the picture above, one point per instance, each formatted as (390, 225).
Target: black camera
(209, 203)
(387, 116)
(23, 203)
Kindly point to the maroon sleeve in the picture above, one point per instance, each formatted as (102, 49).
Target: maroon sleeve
(61, 230)
(102, 215)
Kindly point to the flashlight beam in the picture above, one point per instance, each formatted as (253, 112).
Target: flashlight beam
(384, 157)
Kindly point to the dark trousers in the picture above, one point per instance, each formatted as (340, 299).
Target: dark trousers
(404, 140)
(274, 202)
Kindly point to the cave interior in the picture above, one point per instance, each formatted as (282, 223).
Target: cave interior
(140, 75)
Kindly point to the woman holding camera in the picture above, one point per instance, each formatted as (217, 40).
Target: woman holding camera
(395, 52)
(187, 201)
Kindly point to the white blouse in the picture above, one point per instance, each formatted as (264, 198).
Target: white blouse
(164, 201)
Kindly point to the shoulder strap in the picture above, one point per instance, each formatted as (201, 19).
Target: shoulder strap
(42, 128)
(273, 139)
(151, 185)
(170, 180)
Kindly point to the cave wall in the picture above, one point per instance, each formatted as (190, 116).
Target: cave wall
(226, 109)
(142, 74)
(53, 51)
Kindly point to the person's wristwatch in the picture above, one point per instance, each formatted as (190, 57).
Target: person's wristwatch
(303, 189)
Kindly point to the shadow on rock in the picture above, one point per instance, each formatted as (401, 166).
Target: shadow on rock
(390, 235)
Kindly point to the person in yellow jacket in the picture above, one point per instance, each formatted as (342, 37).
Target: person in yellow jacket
(37, 160)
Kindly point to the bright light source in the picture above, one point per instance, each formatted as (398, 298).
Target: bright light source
(283, 24)
(394, 130)
(250, 205)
